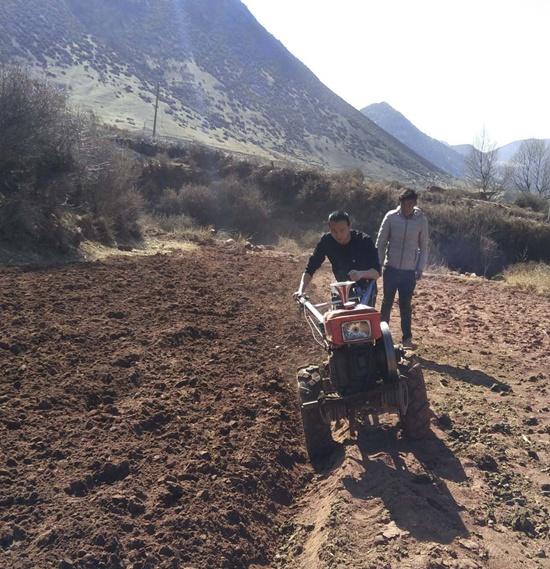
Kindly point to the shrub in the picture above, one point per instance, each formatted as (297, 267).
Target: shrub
(106, 176)
(242, 208)
(482, 238)
(267, 201)
(127, 215)
(56, 168)
(36, 158)
(279, 185)
(533, 202)
(200, 203)
(38, 133)
(170, 203)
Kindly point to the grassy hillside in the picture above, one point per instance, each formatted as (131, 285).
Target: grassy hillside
(224, 80)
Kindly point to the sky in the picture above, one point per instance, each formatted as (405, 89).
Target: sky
(451, 67)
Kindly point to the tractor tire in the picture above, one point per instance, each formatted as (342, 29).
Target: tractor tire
(416, 421)
(317, 434)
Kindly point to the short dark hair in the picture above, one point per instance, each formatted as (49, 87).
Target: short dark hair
(339, 215)
(408, 194)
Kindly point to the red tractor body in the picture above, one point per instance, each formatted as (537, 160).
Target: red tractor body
(353, 324)
(364, 376)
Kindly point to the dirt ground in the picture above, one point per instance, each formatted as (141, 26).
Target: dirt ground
(148, 419)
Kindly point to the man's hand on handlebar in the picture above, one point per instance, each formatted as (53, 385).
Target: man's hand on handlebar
(304, 282)
(370, 274)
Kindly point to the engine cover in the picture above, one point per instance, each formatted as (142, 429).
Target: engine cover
(358, 324)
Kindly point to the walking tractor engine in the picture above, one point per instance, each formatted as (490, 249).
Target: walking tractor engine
(364, 376)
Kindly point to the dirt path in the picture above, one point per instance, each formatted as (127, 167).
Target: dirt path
(475, 495)
(147, 420)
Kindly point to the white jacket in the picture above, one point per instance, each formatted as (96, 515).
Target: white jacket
(402, 242)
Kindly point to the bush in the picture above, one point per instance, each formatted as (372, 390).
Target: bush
(483, 238)
(106, 176)
(242, 209)
(129, 206)
(38, 133)
(227, 204)
(59, 174)
(266, 202)
(36, 159)
(169, 203)
(532, 202)
(200, 203)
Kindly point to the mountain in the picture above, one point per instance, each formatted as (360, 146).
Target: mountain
(223, 80)
(507, 152)
(396, 124)
(462, 149)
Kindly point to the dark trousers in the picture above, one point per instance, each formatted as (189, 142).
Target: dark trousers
(397, 280)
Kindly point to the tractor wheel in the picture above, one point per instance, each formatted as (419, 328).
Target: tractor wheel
(317, 433)
(416, 421)
(386, 356)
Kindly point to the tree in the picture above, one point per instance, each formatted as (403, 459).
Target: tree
(529, 170)
(481, 166)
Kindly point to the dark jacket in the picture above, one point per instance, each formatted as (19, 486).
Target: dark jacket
(359, 254)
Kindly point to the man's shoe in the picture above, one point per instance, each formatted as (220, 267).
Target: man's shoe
(408, 343)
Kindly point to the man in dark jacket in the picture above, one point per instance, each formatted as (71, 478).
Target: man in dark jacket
(351, 253)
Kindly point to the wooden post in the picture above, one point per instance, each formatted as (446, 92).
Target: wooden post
(156, 111)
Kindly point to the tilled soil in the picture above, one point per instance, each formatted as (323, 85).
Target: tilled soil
(477, 493)
(148, 419)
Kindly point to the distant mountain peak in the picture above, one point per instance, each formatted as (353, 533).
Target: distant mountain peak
(381, 105)
(399, 126)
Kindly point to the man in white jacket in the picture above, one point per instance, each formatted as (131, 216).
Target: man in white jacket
(402, 245)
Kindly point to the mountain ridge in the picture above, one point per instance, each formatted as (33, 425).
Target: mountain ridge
(399, 126)
(224, 80)
(507, 151)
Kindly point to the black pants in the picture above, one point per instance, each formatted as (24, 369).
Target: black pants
(404, 282)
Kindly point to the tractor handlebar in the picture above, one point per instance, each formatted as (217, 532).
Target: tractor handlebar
(303, 301)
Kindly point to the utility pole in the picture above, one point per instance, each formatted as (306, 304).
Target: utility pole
(156, 111)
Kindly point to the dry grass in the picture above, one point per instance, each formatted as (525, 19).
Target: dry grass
(180, 228)
(175, 228)
(173, 224)
(93, 251)
(534, 276)
(437, 269)
(289, 245)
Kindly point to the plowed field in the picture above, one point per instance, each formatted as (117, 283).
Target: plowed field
(148, 419)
